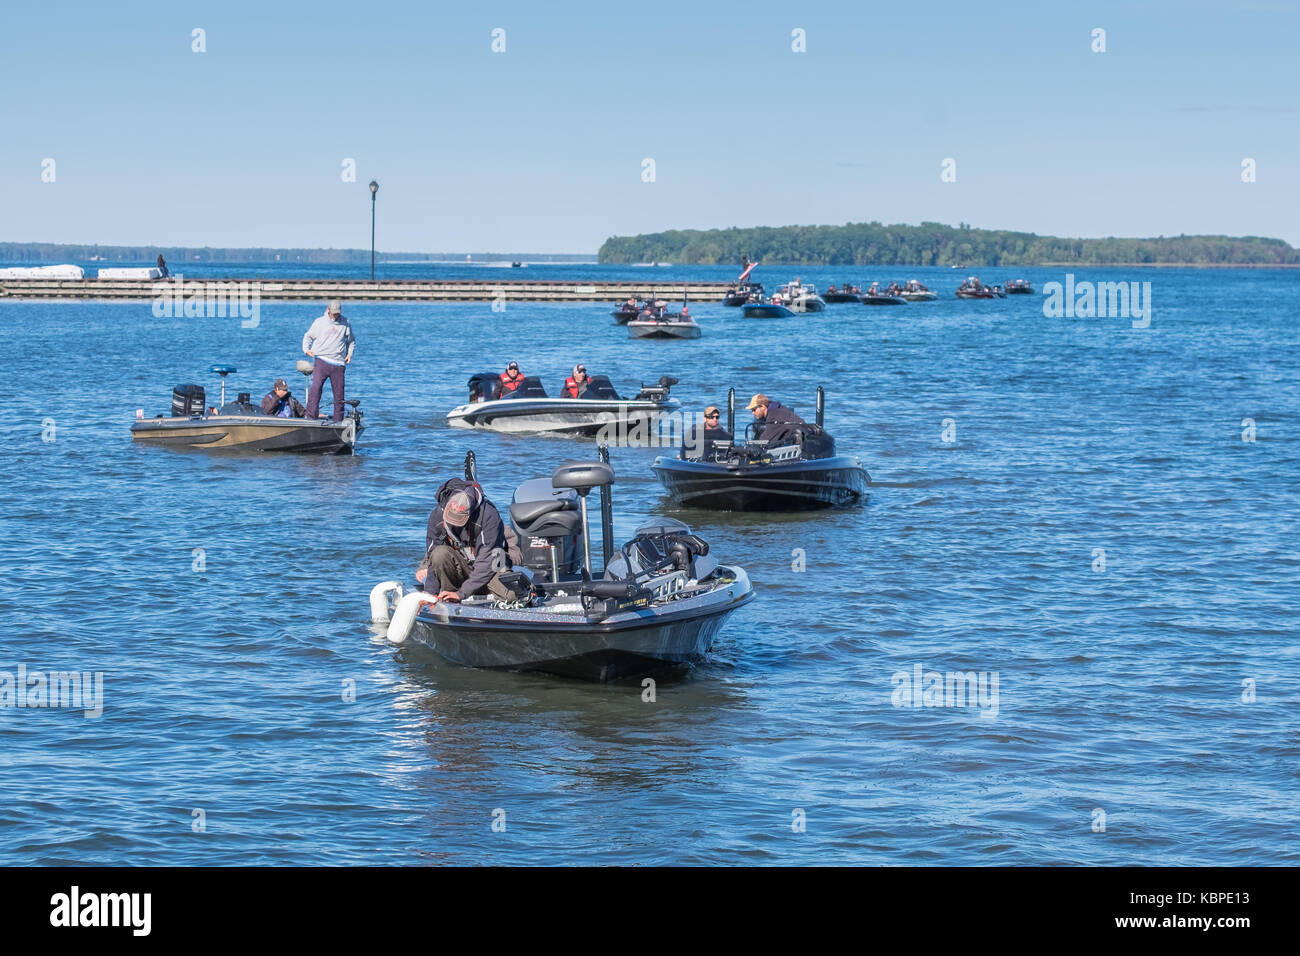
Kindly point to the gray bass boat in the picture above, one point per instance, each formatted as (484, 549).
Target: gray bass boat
(242, 426)
(659, 601)
(529, 410)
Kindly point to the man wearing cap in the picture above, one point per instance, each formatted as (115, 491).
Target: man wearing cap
(465, 545)
(330, 342)
(699, 440)
(511, 378)
(280, 403)
(576, 383)
(779, 422)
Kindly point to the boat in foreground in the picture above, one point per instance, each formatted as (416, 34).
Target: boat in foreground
(528, 409)
(752, 476)
(659, 602)
(243, 426)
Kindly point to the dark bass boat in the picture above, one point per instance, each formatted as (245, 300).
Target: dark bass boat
(659, 601)
(242, 426)
(528, 409)
(766, 309)
(753, 476)
(625, 312)
(744, 291)
(844, 293)
(891, 296)
(972, 288)
(1019, 287)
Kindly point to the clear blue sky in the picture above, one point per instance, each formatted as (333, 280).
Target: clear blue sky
(539, 149)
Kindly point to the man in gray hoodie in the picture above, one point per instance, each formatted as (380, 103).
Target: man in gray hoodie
(330, 342)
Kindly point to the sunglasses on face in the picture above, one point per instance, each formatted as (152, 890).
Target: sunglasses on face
(710, 414)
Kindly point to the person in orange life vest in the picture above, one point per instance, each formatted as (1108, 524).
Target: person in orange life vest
(511, 378)
(576, 383)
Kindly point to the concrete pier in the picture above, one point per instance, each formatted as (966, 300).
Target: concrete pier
(365, 290)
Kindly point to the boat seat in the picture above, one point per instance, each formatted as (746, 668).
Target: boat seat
(582, 476)
(526, 512)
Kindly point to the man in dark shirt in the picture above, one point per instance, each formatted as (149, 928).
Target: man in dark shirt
(465, 545)
(280, 403)
(779, 423)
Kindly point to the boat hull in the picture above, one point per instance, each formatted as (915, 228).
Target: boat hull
(663, 330)
(976, 295)
(800, 485)
(575, 417)
(767, 311)
(883, 300)
(249, 433)
(571, 645)
(833, 298)
(919, 296)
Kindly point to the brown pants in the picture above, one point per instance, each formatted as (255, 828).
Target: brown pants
(452, 570)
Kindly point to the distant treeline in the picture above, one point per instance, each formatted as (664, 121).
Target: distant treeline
(65, 252)
(933, 244)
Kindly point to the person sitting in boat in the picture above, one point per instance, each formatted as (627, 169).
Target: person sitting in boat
(467, 546)
(576, 383)
(779, 422)
(697, 441)
(874, 289)
(893, 289)
(686, 312)
(280, 403)
(511, 379)
(832, 288)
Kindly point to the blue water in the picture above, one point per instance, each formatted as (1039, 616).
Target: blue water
(1119, 690)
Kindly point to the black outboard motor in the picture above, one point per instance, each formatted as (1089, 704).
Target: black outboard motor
(549, 526)
(484, 387)
(188, 400)
(666, 542)
(656, 393)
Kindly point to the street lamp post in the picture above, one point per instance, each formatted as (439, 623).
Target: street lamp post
(374, 188)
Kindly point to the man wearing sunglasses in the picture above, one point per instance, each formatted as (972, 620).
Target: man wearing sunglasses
(699, 440)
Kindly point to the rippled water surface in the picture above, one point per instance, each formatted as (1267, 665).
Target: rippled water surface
(1122, 691)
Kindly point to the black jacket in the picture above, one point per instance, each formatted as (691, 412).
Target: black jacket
(481, 538)
(271, 403)
(780, 425)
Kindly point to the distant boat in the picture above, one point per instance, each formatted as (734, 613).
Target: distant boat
(1019, 287)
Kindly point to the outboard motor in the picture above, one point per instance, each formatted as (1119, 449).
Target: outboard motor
(656, 393)
(549, 526)
(188, 400)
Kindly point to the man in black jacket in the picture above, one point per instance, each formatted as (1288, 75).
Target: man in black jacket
(280, 403)
(466, 545)
(780, 424)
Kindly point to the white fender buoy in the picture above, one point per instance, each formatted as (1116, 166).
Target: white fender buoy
(379, 600)
(404, 617)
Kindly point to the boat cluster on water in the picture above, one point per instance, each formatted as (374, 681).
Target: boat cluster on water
(657, 600)
(797, 296)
